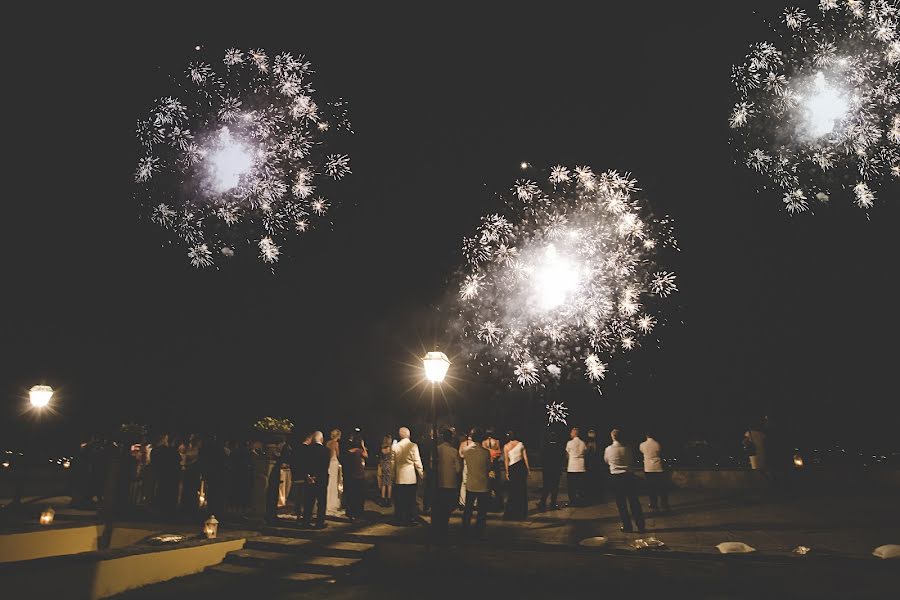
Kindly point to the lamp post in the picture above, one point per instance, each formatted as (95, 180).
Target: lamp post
(436, 365)
(39, 397)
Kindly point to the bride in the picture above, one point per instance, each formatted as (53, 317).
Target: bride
(333, 500)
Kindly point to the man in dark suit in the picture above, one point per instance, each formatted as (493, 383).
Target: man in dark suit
(298, 477)
(317, 459)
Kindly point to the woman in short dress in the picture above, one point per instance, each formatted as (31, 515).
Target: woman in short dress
(386, 470)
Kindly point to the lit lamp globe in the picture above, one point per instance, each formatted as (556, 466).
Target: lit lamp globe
(436, 366)
(40, 395)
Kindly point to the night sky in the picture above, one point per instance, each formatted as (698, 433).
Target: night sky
(794, 316)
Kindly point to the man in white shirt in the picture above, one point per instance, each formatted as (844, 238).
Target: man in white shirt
(618, 457)
(407, 471)
(653, 472)
(575, 449)
(448, 469)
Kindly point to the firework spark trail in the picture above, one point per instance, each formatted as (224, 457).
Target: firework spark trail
(564, 280)
(236, 155)
(818, 111)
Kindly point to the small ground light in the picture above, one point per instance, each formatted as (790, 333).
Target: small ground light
(798, 461)
(47, 516)
(211, 527)
(524, 165)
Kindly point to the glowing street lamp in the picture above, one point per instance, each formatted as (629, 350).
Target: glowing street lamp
(40, 396)
(436, 366)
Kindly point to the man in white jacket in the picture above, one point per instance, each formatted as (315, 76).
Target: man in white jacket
(407, 471)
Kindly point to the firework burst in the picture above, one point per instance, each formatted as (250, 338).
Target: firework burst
(564, 280)
(233, 156)
(557, 412)
(818, 112)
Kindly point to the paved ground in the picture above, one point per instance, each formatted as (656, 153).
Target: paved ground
(542, 556)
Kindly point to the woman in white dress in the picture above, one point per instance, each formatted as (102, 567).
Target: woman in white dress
(333, 499)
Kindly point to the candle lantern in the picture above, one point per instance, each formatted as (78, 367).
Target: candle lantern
(798, 461)
(211, 527)
(47, 516)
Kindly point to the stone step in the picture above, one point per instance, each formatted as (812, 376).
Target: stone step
(327, 564)
(258, 558)
(303, 577)
(306, 546)
(232, 569)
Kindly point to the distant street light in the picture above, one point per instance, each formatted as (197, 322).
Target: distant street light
(40, 395)
(436, 365)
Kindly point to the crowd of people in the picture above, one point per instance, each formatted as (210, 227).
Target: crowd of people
(478, 472)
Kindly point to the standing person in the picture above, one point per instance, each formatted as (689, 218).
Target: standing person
(334, 474)
(515, 461)
(273, 488)
(407, 468)
(477, 464)
(554, 458)
(190, 488)
(353, 463)
(211, 460)
(757, 447)
(448, 480)
(653, 471)
(575, 449)
(464, 445)
(425, 452)
(594, 467)
(167, 467)
(498, 469)
(298, 476)
(386, 470)
(318, 461)
(618, 457)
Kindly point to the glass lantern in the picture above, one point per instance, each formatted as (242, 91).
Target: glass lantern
(211, 527)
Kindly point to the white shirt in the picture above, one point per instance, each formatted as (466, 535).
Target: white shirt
(618, 457)
(575, 450)
(515, 453)
(652, 462)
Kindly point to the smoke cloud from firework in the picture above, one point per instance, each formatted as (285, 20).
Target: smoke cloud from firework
(233, 160)
(819, 110)
(563, 280)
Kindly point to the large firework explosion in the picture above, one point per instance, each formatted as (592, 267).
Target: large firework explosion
(233, 159)
(564, 280)
(819, 111)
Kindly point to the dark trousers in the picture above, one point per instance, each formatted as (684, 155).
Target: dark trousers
(656, 485)
(550, 487)
(298, 492)
(626, 497)
(426, 493)
(440, 517)
(575, 483)
(354, 496)
(405, 502)
(316, 495)
(479, 500)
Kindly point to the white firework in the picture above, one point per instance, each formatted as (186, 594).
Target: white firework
(817, 112)
(557, 412)
(200, 256)
(559, 174)
(577, 284)
(489, 333)
(239, 143)
(527, 373)
(337, 166)
(865, 198)
(594, 368)
(663, 283)
(268, 251)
